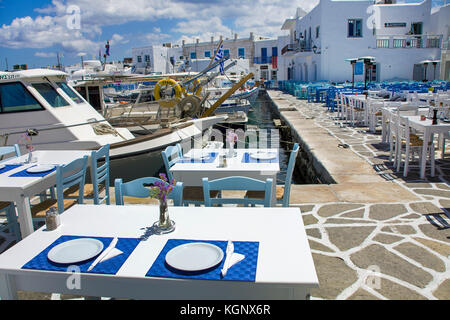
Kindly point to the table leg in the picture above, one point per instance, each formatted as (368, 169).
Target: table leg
(7, 288)
(426, 138)
(24, 213)
(383, 129)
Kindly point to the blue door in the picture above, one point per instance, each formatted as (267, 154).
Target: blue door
(263, 52)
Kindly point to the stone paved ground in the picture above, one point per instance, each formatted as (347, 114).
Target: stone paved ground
(376, 250)
(396, 249)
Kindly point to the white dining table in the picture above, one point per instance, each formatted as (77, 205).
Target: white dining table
(21, 189)
(191, 174)
(387, 109)
(428, 130)
(284, 264)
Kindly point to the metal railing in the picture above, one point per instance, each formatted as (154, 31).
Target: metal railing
(262, 60)
(409, 41)
(302, 46)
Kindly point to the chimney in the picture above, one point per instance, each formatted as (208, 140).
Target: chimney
(183, 42)
(197, 40)
(221, 38)
(251, 36)
(212, 39)
(235, 36)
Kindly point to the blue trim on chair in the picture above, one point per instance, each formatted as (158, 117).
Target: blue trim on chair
(237, 183)
(137, 188)
(290, 170)
(100, 174)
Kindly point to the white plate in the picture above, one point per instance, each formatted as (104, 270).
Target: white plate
(263, 155)
(76, 250)
(41, 168)
(195, 256)
(199, 155)
(2, 166)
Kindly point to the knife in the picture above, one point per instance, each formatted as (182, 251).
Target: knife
(104, 253)
(229, 253)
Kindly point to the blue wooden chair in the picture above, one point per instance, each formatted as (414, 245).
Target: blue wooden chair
(282, 192)
(7, 209)
(68, 175)
(137, 188)
(191, 195)
(238, 183)
(9, 150)
(99, 177)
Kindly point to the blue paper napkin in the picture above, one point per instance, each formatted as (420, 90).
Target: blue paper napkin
(25, 174)
(210, 159)
(247, 159)
(110, 266)
(9, 167)
(244, 270)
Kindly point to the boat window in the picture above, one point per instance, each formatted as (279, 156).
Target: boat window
(50, 95)
(67, 90)
(14, 97)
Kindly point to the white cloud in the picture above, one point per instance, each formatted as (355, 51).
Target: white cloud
(45, 54)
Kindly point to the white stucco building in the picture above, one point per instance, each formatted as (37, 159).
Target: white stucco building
(157, 59)
(399, 36)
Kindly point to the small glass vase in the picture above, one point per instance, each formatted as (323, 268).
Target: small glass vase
(231, 152)
(164, 224)
(30, 158)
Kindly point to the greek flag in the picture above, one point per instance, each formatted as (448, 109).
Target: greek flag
(219, 55)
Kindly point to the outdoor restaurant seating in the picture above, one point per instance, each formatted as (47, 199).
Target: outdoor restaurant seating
(282, 192)
(73, 173)
(237, 183)
(99, 177)
(137, 188)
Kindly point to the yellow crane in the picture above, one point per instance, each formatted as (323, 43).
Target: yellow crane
(227, 94)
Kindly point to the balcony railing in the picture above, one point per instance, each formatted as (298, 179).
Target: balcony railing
(409, 41)
(302, 46)
(262, 60)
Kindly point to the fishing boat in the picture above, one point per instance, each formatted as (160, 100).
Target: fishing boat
(42, 100)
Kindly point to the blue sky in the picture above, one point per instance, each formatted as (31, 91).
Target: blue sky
(32, 32)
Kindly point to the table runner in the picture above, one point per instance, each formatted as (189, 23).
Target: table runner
(244, 270)
(25, 174)
(111, 266)
(247, 159)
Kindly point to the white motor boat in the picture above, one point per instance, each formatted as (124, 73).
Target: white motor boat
(41, 99)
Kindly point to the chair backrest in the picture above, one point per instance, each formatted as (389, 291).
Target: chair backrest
(237, 183)
(170, 156)
(68, 175)
(100, 174)
(139, 188)
(289, 172)
(9, 150)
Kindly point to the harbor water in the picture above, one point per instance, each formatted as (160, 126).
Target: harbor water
(151, 164)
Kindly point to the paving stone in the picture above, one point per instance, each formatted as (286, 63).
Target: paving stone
(386, 211)
(314, 245)
(443, 291)
(387, 238)
(306, 208)
(314, 233)
(425, 208)
(395, 291)
(354, 214)
(334, 209)
(362, 294)
(411, 216)
(443, 186)
(421, 255)
(399, 229)
(434, 192)
(418, 185)
(348, 237)
(309, 219)
(390, 264)
(438, 247)
(29, 295)
(347, 221)
(334, 276)
(435, 233)
(445, 204)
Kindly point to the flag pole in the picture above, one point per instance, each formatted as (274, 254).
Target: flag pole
(212, 58)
